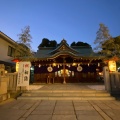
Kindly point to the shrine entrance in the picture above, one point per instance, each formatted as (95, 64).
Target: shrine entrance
(66, 69)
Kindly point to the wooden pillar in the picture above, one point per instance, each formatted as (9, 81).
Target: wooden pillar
(53, 80)
(64, 80)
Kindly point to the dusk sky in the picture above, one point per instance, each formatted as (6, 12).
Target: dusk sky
(73, 20)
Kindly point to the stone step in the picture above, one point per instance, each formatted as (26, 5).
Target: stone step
(66, 98)
(65, 94)
(66, 91)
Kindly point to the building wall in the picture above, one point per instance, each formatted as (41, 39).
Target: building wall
(6, 59)
(4, 50)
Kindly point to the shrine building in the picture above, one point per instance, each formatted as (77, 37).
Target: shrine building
(65, 64)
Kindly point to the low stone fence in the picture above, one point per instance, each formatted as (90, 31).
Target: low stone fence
(12, 82)
(114, 82)
(3, 88)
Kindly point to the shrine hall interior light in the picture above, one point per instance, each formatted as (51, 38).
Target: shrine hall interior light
(74, 64)
(118, 69)
(32, 68)
(54, 64)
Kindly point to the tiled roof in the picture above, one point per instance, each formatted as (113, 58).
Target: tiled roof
(64, 48)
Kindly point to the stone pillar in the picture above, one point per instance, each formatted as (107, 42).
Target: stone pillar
(3, 83)
(2, 70)
(115, 82)
(106, 79)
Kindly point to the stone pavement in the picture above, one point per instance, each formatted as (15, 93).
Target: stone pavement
(13, 109)
(59, 110)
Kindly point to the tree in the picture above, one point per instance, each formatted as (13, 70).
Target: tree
(79, 43)
(102, 36)
(23, 47)
(117, 45)
(44, 43)
(108, 46)
(104, 41)
(73, 44)
(48, 43)
(25, 37)
(53, 43)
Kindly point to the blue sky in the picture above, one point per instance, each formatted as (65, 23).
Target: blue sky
(73, 20)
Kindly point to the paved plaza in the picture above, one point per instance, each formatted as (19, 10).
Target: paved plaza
(13, 109)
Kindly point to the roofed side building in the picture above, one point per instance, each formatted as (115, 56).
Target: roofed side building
(7, 48)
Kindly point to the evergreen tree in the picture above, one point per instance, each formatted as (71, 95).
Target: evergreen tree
(79, 43)
(73, 44)
(48, 43)
(107, 45)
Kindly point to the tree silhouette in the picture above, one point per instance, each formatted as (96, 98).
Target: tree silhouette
(23, 47)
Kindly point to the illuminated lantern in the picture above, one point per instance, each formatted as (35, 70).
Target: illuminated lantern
(17, 66)
(54, 64)
(17, 63)
(112, 65)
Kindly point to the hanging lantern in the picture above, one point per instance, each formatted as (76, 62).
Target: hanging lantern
(54, 64)
(17, 66)
(97, 69)
(17, 63)
(39, 65)
(98, 64)
(73, 64)
(88, 64)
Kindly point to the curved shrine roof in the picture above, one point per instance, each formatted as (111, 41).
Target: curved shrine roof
(65, 49)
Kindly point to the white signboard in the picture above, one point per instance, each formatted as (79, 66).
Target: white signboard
(23, 74)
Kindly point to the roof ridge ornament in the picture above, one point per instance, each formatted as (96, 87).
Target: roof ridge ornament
(63, 41)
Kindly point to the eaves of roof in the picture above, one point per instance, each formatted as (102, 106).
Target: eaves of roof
(68, 53)
(8, 39)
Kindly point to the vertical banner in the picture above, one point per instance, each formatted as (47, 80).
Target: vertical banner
(23, 74)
